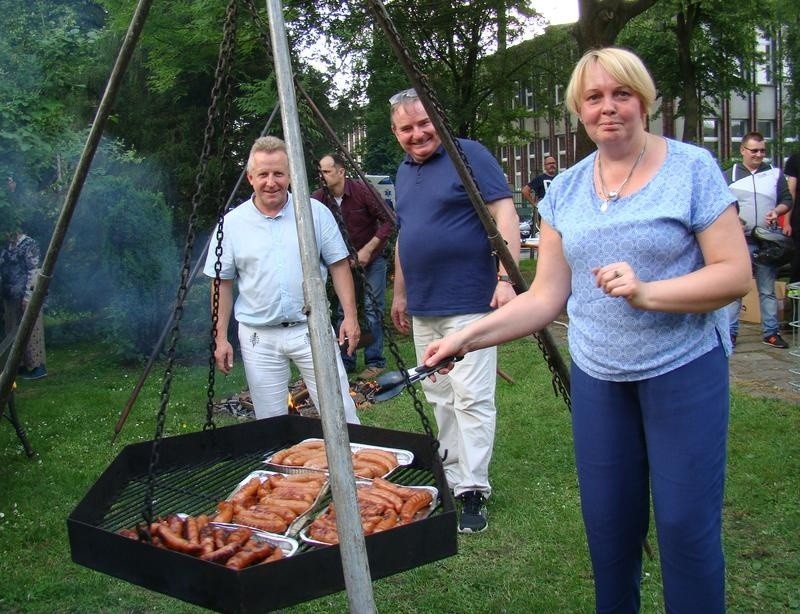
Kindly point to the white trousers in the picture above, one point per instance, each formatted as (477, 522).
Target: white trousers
(463, 404)
(267, 352)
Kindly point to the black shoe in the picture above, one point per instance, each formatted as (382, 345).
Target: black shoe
(473, 512)
(35, 373)
(775, 341)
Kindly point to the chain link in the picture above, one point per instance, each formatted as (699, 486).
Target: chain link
(223, 147)
(221, 72)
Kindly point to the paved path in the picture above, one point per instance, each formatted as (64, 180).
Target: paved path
(762, 370)
(756, 368)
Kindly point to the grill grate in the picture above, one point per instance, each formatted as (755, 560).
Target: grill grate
(200, 469)
(191, 489)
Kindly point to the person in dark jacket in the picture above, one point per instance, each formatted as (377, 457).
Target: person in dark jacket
(369, 224)
(19, 268)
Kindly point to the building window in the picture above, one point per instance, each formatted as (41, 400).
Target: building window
(710, 129)
(529, 99)
(738, 129)
(711, 135)
(561, 143)
(531, 159)
(764, 69)
(765, 127)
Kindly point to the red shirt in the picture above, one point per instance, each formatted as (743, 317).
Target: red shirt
(364, 217)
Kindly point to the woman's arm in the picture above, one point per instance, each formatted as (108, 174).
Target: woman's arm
(529, 312)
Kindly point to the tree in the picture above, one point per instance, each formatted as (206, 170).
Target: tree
(44, 50)
(716, 45)
(120, 260)
(598, 25)
(450, 42)
(788, 19)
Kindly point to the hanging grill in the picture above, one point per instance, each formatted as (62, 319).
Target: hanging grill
(198, 470)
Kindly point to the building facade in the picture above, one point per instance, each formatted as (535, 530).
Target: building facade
(721, 132)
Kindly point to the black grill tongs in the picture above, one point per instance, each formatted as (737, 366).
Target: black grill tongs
(392, 383)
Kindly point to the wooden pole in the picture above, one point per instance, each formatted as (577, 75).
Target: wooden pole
(355, 564)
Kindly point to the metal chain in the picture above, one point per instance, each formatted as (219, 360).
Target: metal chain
(558, 385)
(223, 147)
(360, 272)
(556, 381)
(226, 52)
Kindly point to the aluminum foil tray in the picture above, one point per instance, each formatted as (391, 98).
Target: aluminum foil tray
(422, 514)
(404, 457)
(301, 520)
(287, 544)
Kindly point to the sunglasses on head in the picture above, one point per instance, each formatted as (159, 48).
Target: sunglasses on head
(409, 94)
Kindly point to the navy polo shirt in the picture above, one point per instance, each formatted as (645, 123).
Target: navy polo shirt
(445, 253)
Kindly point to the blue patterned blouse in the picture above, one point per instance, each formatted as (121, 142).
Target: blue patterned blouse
(653, 230)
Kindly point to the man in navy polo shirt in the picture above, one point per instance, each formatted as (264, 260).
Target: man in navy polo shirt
(446, 277)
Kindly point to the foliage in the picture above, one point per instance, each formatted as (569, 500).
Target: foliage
(535, 541)
(164, 105)
(542, 66)
(788, 19)
(715, 42)
(44, 48)
(450, 43)
(600, 21)
(119, 259)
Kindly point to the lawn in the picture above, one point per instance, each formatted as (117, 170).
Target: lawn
(533, 558)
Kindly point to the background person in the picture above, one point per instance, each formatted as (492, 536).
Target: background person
(536, 188)
(643, 268)
(369, 225)
(19, 268)
(445, 277)
(763, 196)
(261, 253)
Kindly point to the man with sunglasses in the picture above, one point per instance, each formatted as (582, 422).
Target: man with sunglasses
(763, 196)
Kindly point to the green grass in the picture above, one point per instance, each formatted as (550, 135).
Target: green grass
(532, 559)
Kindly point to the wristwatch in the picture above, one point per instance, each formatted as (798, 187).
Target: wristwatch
(505, 278)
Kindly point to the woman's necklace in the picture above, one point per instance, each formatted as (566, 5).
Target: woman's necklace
(613, 196)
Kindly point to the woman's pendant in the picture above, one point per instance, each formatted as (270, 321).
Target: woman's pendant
(612, 197)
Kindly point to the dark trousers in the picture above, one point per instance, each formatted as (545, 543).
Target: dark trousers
(666, 435)
(374, 301)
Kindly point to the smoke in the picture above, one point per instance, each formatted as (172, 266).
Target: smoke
(120, 263)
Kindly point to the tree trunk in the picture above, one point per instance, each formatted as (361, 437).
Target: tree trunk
(599, 24)
(685, 23)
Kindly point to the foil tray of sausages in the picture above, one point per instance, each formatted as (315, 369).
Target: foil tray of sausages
(368, 461)
(288, 545)
(274, 502)
(231, 545)
(382, 505)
